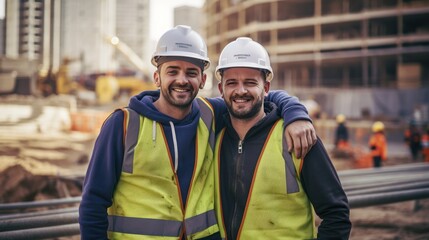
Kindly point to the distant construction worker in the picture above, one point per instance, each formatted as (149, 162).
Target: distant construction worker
(378, 144)
(425, 144)
(341, 133)
(413, 139)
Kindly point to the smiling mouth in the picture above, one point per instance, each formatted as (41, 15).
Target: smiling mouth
(241, 100)
(181, 90)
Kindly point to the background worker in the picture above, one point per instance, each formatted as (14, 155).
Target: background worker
(263, 192)
(341, 133)
(425, 144)
(377, 144)
(150, 174)
(412, 137)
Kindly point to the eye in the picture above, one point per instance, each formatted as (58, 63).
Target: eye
(172, 72)
(230, 83)
(192, 73)
(251, 83)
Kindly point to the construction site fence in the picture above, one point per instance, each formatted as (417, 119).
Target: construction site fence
(364, 188)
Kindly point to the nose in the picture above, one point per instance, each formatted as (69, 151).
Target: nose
(181, 78)
(241, 89)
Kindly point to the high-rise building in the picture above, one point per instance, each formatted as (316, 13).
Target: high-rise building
(24, 36)
(331, 44)
(85, 29)
(2, 37)
(30, 32)
(132, 28)
(191, 16)
(77, 32)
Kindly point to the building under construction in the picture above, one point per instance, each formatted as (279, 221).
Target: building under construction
(373, 50)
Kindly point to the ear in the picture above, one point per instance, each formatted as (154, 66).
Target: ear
(203, 81)
(219, 86)
(267, 87)
(156, 79)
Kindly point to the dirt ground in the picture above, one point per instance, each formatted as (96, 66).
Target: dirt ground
(39, 159)
(397, 221)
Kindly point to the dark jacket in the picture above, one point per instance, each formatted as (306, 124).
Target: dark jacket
(318, 176)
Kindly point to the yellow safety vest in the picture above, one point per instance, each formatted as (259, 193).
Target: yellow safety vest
(277, 206)
(147, 200)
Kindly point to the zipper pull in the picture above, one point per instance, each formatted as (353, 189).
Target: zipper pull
(240, 146)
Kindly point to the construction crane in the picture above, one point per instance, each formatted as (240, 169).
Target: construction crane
(131, 85)
(132, 57)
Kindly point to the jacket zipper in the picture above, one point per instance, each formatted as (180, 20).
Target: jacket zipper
(240, 146)
(238, 175)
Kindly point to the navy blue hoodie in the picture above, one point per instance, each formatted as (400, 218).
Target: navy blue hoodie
(105, 165)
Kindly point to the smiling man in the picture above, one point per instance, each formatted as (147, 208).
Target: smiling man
(263, 191)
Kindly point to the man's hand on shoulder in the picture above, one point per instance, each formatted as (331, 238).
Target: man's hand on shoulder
(300, 137)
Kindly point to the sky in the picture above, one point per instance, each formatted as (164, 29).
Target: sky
(158, 8)
(2, 8)
(165, 8)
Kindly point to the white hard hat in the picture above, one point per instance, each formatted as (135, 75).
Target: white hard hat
(244, 52)
(181, 41)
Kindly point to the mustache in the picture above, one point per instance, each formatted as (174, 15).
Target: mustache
(183, 86)
(245, 96)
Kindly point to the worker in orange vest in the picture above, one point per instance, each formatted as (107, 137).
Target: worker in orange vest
(378, 144)
(425, 144)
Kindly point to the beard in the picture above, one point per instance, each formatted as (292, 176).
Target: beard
(244, 114)
(181, 102)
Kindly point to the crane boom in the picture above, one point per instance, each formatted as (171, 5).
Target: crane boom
(129, 54)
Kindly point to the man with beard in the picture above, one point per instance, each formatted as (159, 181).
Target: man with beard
(151, 171)
(263, 191)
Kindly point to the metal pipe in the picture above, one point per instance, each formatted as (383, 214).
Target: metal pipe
(373, 199)
(40, 221)
(396, 187)
(387, 169)
(41, 213)
(384, 179)
(24, 205)
(42, 233)
(380, 185)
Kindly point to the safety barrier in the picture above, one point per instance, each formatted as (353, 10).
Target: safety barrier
(88, 121)
(364, 187)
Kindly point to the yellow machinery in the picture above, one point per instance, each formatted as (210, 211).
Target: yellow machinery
(108, 87)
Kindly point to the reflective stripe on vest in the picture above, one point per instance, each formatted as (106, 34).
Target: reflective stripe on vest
(158, 227)
(142, 226)
(200, 222)
(207, 116)
(131, 136)
(291, 173)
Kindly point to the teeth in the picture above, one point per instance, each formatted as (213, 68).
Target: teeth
(180, 90)
(240, 100)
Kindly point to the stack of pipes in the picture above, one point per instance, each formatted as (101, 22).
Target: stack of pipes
(364, 187)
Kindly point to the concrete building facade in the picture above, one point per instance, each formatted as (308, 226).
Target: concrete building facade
(191, 16)
(132, 26)
(327, 45)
